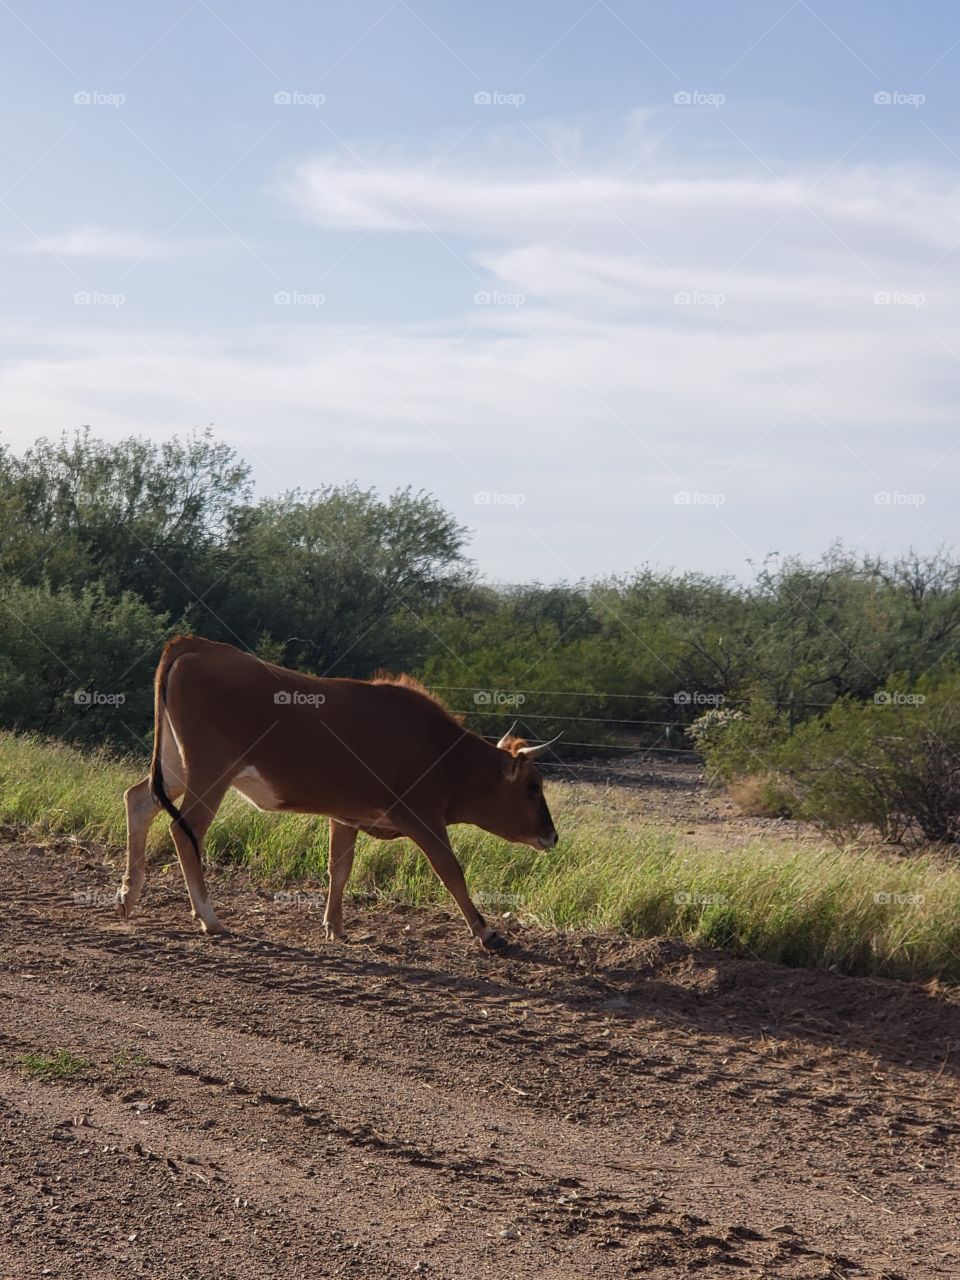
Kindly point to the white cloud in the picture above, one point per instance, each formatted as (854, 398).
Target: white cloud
(106, 242)
(598, 426)
(713, 216)
(779, 383)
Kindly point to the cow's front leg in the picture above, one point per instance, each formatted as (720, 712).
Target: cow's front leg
(440, 855)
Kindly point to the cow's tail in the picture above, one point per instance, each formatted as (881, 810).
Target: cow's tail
(173, 650)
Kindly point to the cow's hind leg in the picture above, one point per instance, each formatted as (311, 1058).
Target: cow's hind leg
(198, 809)
(141, 810)
(343, 841)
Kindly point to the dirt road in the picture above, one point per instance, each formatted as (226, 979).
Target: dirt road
(266, 1105)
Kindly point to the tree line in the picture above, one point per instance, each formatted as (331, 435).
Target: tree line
(108, 548)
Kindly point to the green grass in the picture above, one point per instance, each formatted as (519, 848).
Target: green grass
(125, 1058)
(58, 1065)
(863, 911)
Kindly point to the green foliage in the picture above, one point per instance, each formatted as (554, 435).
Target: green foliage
(522, 654)
(103, 545)
(891, 764)
(737, 744)
(654, 648)
(135, 516)
(120, 541)
(338, 581)
(77, 663)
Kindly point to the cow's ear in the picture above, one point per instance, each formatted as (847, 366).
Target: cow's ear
(510, 765)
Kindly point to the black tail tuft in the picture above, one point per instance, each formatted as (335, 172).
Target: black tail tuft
(156, 773)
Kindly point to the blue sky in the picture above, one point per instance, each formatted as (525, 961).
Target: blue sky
(618, 282)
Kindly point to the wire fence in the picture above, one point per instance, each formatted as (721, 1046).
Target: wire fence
(583, 693)
(664, 737)
(613, 742)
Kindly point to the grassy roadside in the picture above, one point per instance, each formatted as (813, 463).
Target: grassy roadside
(864, 911)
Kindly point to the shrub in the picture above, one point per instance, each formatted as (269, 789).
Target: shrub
(837, 774)
(739, 744)
(77, 663)
(892, 763)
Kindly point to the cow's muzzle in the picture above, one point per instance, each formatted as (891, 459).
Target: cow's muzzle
(549, 841)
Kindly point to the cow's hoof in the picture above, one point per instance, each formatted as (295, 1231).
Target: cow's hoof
(333, 935)
(213, 927)
(120, 906)
(496, 942)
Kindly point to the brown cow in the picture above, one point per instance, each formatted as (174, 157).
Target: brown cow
(380, 756)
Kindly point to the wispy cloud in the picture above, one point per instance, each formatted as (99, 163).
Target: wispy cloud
(622, 335)
(704, 212)
(106, 242)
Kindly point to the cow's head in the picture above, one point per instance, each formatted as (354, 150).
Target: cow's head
(521, 814)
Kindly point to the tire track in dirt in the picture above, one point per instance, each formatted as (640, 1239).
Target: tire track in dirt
(180, 1097)
(584, 1108)
(170, 1102)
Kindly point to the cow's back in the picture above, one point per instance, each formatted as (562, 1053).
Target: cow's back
(345, 745)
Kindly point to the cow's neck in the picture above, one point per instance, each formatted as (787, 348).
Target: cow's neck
(479, 772)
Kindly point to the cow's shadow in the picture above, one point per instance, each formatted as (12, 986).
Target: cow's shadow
(915, 1027)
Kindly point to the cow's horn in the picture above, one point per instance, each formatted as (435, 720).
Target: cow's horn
(530, 752)
(502, 744)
